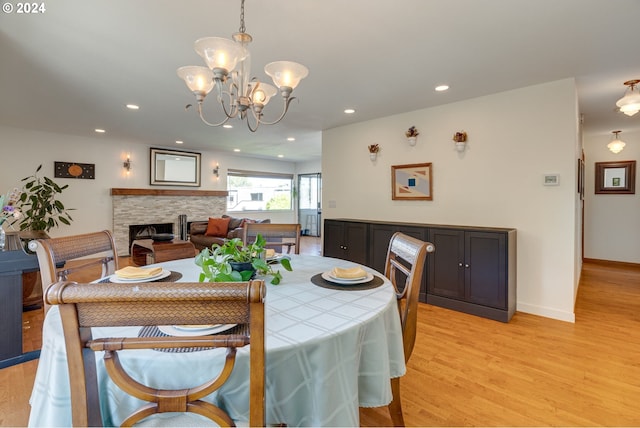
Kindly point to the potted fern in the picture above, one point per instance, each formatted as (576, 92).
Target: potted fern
(234, 261)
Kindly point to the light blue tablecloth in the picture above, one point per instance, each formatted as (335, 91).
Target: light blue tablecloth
(328, 353)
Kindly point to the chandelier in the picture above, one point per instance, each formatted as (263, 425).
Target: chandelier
(228, 71)
(630, 103)
(616, 145)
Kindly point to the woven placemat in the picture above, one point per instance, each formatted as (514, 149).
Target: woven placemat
(154, 331)
(173, 277)
(321, 282)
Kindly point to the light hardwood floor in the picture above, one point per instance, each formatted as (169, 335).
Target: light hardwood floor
(469, 371)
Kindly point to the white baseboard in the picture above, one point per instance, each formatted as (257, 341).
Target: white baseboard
(546, 312)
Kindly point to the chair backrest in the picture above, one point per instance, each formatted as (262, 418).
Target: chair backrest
(54, 253)
(406, 258)
(83, 306)
(276, 234)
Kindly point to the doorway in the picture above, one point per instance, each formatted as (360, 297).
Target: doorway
(309, 203)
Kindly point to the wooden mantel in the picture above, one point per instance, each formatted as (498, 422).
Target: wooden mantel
(167, 192)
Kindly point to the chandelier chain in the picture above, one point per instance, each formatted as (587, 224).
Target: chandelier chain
(242, 28)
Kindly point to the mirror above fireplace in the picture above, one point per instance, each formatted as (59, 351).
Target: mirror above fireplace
(175, 168)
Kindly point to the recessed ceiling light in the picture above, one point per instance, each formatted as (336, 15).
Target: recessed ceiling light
(236, 150)
(133, 107)
(100, 131)
(349, 111)
(441, 88)
(291, 139)
(179, 142)
(226, 125)
(280, 156)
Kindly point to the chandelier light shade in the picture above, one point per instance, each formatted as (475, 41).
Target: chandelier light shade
(616, 145)
(228, 72)
(199, 80)
(630, 103)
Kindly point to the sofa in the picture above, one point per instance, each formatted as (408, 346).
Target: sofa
(203, 234)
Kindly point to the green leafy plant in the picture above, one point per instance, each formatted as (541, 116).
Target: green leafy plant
(41, 210)
(216, 263)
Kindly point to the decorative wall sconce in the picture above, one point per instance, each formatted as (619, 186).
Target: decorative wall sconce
(412, 135)
(216, 171)
(127, 164)
(630, 103)
(373, 151)
(460, 138)
(616, 145)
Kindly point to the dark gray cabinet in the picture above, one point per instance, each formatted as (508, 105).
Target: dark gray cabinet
(346, 240)
(12, 265)
(472, 270)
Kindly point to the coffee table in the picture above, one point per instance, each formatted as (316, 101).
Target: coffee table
(148, 251)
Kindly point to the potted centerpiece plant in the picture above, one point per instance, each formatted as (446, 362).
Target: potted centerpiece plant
(234, 260)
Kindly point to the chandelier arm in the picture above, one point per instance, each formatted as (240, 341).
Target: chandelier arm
(252, 129)
(284, 112)
(233, 111)
(206, 121)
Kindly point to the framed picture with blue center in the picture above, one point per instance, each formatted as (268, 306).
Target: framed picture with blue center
(412, 182)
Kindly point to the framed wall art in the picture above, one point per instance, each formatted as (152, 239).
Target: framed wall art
(616, 178)
(412, 182)
(74, 170)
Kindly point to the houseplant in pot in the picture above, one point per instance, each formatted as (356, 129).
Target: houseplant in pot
(235, 261)
(41, 210)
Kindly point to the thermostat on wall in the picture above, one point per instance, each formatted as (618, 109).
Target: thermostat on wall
(551, 179)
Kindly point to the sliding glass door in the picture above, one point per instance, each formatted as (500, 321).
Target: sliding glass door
(309, 203)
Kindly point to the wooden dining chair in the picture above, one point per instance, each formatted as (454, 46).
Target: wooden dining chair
(53, 254)
(404, 267)
(277, 235)
(83, 306)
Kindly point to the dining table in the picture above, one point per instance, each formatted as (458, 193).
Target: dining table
(330, 349)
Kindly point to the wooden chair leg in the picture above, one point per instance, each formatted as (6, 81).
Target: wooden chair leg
(395, 407)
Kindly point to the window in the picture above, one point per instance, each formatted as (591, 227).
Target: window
(258, 191)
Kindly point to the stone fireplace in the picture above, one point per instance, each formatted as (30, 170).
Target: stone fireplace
(155, 206)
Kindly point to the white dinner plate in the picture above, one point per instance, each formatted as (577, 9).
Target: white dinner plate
(343, 281)
(114, 278)
(330, 273)
(179, 330)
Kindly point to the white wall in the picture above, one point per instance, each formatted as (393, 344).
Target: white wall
(612, 222)
(23, 150)
(514, 138)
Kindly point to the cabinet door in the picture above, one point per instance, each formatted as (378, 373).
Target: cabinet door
(355, 242)
(485, 269)
(333, 239)
(446, 265)
(379, 238)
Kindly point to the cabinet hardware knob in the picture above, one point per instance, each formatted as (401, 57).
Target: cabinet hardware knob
(460, 264)
(466, 265)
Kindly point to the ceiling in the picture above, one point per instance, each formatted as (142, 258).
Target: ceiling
(73, 68)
